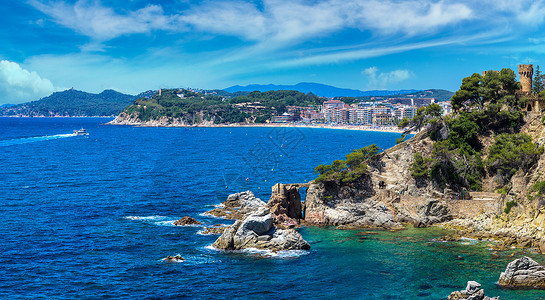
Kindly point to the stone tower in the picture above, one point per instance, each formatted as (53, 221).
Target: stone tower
(526, 72)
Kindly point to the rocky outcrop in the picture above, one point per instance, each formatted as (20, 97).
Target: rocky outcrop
(175, 258)
(285, 204)
(257, 231)
(237, 206)
(430, 212)
(473, 291)
(523, 273)
(184, 221)
(134, 120)
(386, 196)
(327, 204)
(510, 230)
(214, 229)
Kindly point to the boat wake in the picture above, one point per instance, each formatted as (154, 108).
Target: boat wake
(34, 139)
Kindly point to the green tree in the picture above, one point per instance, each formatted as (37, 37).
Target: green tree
(468, 94)
(424, 115)
(538, 82)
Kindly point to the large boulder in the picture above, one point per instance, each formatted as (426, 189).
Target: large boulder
(237, 206)
(473, 291)
(523, 273)
(257, 231)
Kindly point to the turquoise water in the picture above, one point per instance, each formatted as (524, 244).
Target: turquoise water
(91, 217)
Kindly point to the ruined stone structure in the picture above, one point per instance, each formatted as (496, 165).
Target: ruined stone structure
(535, 104)
(484, 72)
(526, 72)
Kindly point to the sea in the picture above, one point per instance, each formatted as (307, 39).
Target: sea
(91, 217)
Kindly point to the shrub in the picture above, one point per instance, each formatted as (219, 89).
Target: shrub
(420, 166)
(508, 206)
(511, 152)
(347, 171)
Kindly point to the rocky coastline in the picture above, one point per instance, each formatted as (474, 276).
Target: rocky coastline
(261, 225)
(124, 119)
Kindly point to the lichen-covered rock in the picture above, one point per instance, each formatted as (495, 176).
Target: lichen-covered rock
(523, 273)
(257, 231)
(184, 221)
(473, 291)
(238, 205)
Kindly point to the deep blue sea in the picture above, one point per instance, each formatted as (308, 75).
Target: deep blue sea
(91, 217)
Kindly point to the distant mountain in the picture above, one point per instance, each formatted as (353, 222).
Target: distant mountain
(73, 103)
(318, 89)
(7, 105)
(438, 94)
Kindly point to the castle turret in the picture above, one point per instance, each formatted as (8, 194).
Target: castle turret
(526, 72)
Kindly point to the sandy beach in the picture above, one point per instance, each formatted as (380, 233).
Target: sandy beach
(393, 129)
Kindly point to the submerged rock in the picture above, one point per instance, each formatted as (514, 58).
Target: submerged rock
(523, 273)
(257, 231)
(237, 206)
(473, 291)
(215, 229)
(186, 221)
(176, 258)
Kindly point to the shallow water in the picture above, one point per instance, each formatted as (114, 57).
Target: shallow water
(91, 217)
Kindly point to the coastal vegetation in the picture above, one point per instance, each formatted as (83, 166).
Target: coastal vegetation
(72, 103)
(196, 107)
(481, 139)
(349, 170)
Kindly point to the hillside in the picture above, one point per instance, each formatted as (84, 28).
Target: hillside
(480, 170)
(321, 90)
(184, 107)
(72, 103)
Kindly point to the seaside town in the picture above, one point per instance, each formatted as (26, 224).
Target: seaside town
(379, 112)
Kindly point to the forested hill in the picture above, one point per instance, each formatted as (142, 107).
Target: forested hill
(188, 107)
(73, 103)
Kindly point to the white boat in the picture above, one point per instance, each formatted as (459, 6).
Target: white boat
(81, 132)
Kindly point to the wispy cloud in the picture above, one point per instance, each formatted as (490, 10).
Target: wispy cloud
(378, 80)
(278, 20)
(18, 85)
(101, 23)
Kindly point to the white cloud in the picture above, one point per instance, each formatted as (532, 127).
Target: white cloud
(409, 17)
(103, 23)
(377, 80)
(18, 85)
(278, 21)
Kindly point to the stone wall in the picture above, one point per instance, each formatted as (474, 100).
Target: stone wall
(471, 208)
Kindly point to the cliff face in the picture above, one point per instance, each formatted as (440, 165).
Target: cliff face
(125, 119)
(364, 203)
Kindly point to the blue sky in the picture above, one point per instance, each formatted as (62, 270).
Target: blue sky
(132, 46)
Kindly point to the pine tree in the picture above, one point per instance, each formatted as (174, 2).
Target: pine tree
(538, 81)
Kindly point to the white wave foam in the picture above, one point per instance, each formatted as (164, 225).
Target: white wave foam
(169, 223)
(206, 214)
(264, 252)
(146, 218)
